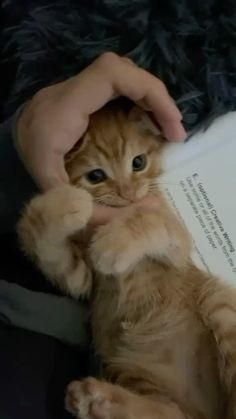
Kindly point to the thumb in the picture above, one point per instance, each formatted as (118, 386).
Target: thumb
(103, 214)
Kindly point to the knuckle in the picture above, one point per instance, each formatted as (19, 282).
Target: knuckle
(162, 85)
(108, 58)
(40, 95)
(128, 61)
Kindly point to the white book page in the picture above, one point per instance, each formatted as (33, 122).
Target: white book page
(200, 184)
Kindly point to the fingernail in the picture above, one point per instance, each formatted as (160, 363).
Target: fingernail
(175, 132)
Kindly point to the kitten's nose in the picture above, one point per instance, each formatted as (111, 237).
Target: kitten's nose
(128, 194)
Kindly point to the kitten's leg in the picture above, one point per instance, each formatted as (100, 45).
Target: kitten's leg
(121, 244)
(44, 231)
(217, 304)
(94, 399)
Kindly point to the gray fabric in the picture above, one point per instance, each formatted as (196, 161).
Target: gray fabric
(59, 317)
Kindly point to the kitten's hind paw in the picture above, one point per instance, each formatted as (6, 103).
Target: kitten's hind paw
(94, 399)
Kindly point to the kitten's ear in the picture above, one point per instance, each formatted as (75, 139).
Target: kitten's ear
(78, 147)
(83, 141)
(144, 121)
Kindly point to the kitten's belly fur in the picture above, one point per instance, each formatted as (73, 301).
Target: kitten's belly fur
(162, 341)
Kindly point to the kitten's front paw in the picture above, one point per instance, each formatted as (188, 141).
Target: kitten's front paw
(60, 212)
(65, 204)
(113, 250)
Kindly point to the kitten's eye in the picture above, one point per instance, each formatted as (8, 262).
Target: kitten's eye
(139, 163)
(96, 176)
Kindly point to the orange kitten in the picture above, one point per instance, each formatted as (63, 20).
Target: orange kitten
(166, 331)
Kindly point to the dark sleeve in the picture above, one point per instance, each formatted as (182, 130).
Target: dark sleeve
(16, 185)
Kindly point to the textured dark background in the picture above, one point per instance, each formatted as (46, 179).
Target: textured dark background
(189, 44)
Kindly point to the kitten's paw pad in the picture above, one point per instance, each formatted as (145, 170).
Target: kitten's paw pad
(90, 399)
(113, 253)
(72, 398)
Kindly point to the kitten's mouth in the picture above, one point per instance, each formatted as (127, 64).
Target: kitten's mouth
(121, 203)
(116, 205)
(148, 200)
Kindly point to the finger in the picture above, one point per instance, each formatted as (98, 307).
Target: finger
(103, 214)
(148, 203)
(91, 89)
(51, 173)
(128, 61)
(165, 112)
(173, 130)
(149, 92)
(112, 76)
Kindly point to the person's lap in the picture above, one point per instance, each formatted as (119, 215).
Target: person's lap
(34, 372)
(34, 368)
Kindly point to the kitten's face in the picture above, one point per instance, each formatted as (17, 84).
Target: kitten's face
(118, 160)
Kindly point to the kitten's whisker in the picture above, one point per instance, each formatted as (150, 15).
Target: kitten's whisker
(164, 183)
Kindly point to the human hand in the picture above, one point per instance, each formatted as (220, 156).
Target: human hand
(103, 214)
(57, 116)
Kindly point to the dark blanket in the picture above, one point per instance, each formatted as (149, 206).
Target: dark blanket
(189, 44)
